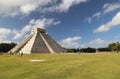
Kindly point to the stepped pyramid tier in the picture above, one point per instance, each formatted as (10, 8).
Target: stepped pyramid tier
(38, 42)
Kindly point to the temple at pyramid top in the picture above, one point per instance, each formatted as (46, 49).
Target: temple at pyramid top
(38, 42)
(35, 30)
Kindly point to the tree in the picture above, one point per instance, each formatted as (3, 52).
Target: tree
(118, 46)
(88, 50)
(103, 49)
(73, 50)
(114, 46)
(5, 47)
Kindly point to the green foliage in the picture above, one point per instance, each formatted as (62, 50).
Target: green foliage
(73, 50)
(103, 49)
(5, 47)
(83, 50)
(61, 66)
(88, 50)
(114, 46)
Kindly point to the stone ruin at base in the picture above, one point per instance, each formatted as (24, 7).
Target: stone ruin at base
(38, 42)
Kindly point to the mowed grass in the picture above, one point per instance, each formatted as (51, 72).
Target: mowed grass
(61, 66)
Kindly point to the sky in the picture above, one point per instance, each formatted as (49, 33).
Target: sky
(72, 23)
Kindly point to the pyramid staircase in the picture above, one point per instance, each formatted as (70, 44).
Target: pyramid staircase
(21, 44)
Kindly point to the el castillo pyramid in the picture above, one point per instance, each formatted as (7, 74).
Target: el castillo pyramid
(38, 42)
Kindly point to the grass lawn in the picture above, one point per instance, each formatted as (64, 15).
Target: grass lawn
(61, 66)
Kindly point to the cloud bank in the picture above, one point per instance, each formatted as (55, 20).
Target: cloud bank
(71, 42)
(109, 25)
(107, 8)
(4, 32)
(25, 7)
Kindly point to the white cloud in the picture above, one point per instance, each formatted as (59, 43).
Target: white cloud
(98, 14)
(97, 43)
(71, 42)
(106, 27)
(66, 4)
(25, 7)
(107, 8)
(57, 22)
(15, 7)
(110, 7)
(20, 33)
(89, 19)
(42, 23)
(39, 23)
(2, 38)
(4, 32)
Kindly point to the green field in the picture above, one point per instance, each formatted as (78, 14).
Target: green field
(61, 66)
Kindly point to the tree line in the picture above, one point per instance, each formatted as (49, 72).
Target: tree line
(113, 47)
(5, 47)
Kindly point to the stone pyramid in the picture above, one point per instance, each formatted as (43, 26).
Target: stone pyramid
(38, 42)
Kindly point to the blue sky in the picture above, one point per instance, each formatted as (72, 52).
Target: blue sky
(72, 23)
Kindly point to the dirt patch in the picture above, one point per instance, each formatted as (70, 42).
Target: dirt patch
(35, 60)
